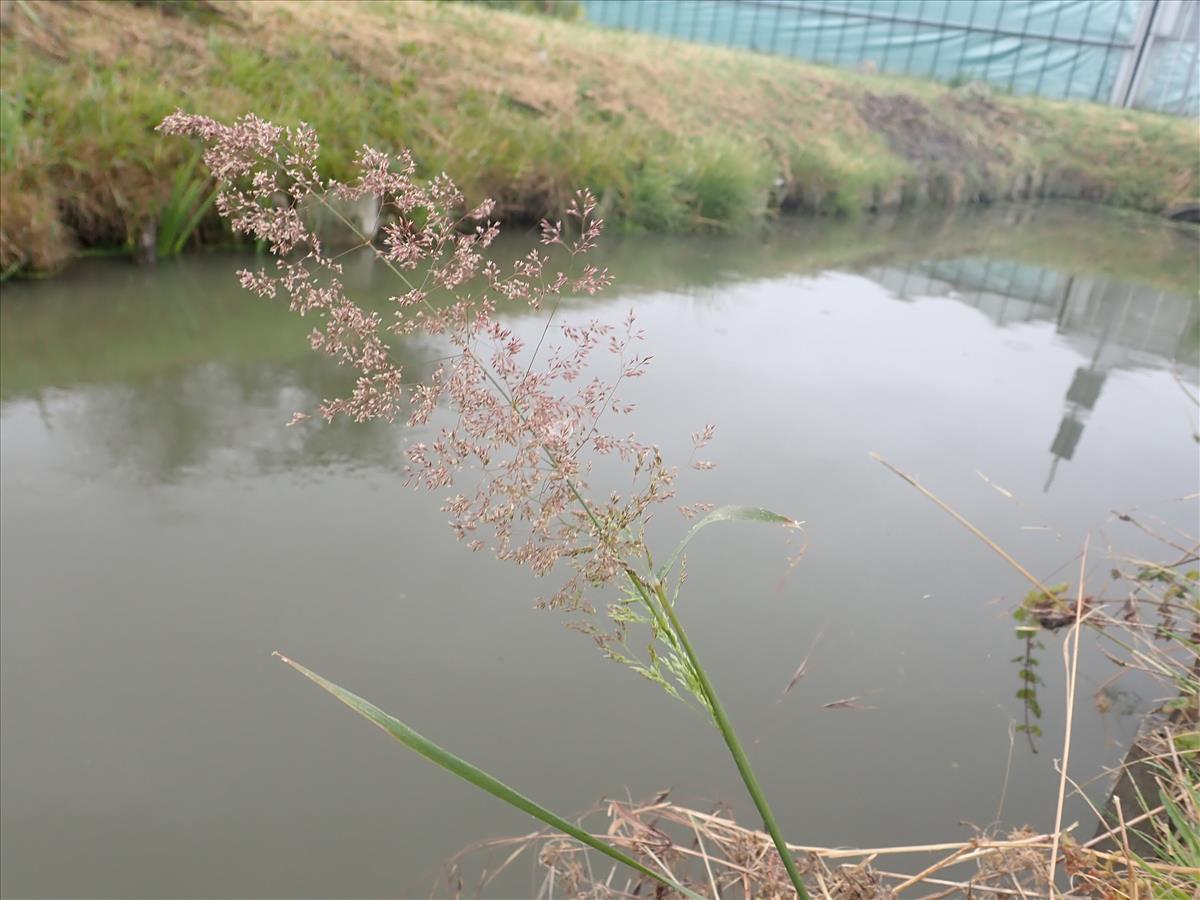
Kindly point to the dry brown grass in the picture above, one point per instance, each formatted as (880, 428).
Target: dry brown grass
(716, 857)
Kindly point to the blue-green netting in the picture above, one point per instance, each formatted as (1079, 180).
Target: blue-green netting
(1052, 48)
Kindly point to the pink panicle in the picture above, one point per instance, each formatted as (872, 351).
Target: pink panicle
(521, 415)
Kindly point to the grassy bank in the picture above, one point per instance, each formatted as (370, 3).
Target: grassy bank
(673, 137)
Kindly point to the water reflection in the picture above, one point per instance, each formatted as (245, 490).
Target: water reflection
(167, 380)
(1114, 324)
(1117, 323)
(163, 531)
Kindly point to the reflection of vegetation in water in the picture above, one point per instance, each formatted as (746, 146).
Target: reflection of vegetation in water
(166, 425)
(138, 321)
(177, 355)
(1131, 248)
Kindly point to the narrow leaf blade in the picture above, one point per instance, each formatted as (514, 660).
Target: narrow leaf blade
(726, 514)
(476, 776)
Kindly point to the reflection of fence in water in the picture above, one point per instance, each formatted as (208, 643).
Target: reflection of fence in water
(1120, 325)
(1113, 324)
(1143, 53)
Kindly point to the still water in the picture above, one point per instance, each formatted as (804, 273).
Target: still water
(163, 532)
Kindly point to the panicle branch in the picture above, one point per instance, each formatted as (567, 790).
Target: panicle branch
(529, 425)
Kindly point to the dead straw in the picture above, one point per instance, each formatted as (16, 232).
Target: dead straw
(1034, 580)
(1072, 671)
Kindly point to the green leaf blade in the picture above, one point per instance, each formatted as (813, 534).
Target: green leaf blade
(476, 776)
(726, 514)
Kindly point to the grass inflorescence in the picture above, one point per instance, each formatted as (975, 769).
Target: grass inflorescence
(529, 424)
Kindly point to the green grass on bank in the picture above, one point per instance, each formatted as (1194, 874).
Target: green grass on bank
(672, 137)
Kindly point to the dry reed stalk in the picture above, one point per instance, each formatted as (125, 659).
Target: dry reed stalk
(930, 870)
(1072, 672)
(962, 520)
(1133, 891)
(1125, 517)
(1113, 832)
(707, 867)
(729, 856)
(821, 883)
(668, 809)
(737, 857)
(976, 883)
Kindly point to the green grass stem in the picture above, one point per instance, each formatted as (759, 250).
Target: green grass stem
(725, 726)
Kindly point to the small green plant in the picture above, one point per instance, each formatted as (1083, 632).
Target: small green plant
(1027, 693)
(185, 208)
(1051, 608)
(726, 185)
(1048, 609)
(654, 200)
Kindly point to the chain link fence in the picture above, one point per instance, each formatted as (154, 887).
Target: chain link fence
(1142, 53)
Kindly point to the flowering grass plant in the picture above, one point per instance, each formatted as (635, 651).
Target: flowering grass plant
(529, 421)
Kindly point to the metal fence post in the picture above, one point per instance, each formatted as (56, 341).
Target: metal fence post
(1184, 107)
(987, 66)
(1087, 18)
(1037, 88)
(916, 33)
(942, 33)
(796, 35)
(891, 35)
(1134, 64)
(1024, 39)
(962, 57)
(862, 50)
(837, 50)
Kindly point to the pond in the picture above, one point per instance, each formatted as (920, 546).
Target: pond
(163, 532)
